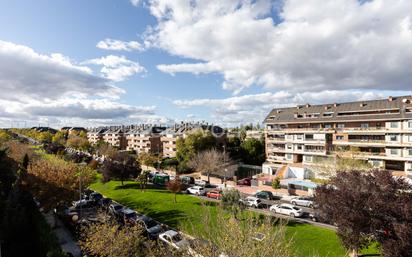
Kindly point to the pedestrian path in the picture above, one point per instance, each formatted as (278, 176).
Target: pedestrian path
(63, 235)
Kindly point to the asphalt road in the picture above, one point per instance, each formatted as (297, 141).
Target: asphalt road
(304, 219)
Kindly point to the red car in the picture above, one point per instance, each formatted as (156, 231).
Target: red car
(244, 182)
(214, 194)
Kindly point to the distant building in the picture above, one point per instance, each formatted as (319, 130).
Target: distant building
(70, 130)
(380, 131)
(44, 129)
(115, 137)
(145, 138)
(256, 134)
(95, 135)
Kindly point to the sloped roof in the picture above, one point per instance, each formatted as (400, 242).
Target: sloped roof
(335, 111)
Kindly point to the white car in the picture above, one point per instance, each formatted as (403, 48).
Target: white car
(173, 239)
(199, 182)
(196, 190)
(287, 209)
(252, 201)
(302, 201)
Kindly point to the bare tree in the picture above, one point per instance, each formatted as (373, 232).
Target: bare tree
(175, 186)
(210, 162)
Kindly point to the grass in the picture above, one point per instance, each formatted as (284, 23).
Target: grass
(186, 214)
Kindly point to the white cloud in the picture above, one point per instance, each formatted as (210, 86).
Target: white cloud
(254, 108)
(117, 68)
(53, 89)
(118, 45)
(27, 74)
(135, 2)
(311, 45)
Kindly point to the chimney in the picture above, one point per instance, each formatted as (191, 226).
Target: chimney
(307, 105)
(362, 104)
(390, 98)
(335, 105)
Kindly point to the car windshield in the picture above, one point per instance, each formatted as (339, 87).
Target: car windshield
(131, 215)
(177, 238)
(296, 208)
(150, 223)
(117, 207)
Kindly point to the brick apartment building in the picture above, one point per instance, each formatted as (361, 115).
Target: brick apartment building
(379, 130)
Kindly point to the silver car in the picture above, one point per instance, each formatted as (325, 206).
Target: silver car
(303, 201)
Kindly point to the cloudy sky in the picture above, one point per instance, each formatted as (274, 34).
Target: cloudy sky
(94, 62)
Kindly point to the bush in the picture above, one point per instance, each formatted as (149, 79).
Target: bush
(276, 183)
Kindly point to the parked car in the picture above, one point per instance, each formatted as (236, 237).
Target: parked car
(128, 216)
(173, 239)
(245, 182)
(104, 203)
(82, 205)
(196, 190)
(267, 195)
(287, 209)
(252, 201)
(95, 197)
(202, 183)
(114, 209)
(151, 228)
(214, 194)
(302, 201)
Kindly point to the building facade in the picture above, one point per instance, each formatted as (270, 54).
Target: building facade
(377, 131)
(145, 138)
(95, 135)
(115, 137)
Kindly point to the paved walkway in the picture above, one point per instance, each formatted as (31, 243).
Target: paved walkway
(63, 235)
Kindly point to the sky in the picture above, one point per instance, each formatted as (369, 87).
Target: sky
(118, 62)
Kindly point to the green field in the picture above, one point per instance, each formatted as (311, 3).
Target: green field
(186, 214)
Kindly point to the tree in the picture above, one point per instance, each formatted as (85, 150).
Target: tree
(60, 137)
(122, 166)
(147, 159)
(276, 183)
(253, 151)
(175, 186)
(104, 148)
(54, 180)
(4, 136)
(187, 148)
(77, 142)
(142, 179)
(251, 236)
(231, 201)
(210, 162)
(111, 240)
(363, 204)
(169, 163)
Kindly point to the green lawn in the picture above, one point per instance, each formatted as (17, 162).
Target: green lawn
(309, 240)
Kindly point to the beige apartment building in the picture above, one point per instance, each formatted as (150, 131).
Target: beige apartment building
(145, 138)
(95, 135)
(115, 137)
(377, 131)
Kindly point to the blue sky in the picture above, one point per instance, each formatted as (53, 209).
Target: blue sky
(226, 62)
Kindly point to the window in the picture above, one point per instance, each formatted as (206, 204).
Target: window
(410, 152)
(410, 124)
(394, 124)
(394, 151)
(378, 125)
(339, 137)
(393, 138)
(409, 138)
(289, 156)
(376, 163)
(328, 126)
(299, 147)
(299, 137)
(289, 147)
(327, 114)
(308, 158)
(364, 125)
(341, 125)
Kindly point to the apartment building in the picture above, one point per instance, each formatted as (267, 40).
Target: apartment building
(115, 137)
(145, 138)
(95, 135)
(377, 131)
(256, 134)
